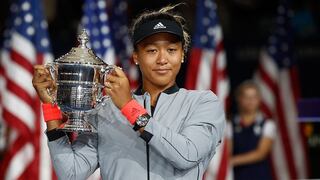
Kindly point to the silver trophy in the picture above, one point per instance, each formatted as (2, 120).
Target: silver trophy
(79, 77)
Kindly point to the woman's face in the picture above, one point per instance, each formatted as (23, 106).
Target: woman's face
(249, 100)
(159, 57)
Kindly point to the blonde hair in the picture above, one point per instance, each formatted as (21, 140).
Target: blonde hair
(245, 85)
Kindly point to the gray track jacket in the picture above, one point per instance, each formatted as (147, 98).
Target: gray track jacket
(185, 128)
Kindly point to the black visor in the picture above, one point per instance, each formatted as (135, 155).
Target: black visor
(156, 26)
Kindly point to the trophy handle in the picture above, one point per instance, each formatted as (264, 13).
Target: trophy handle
(51, 91)
(104, 71)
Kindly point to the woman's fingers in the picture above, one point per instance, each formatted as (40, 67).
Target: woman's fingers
(119, 72)
(111, 78)
(108, 85)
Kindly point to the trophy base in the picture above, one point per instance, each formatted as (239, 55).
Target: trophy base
(78, 125)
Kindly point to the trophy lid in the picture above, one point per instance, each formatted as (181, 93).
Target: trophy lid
(81, 54)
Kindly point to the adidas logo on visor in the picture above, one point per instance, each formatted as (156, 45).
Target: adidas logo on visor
(159, 26)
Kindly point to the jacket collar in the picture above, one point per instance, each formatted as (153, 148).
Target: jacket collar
(169, 90)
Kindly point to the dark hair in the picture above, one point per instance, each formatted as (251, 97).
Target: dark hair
(163, 13)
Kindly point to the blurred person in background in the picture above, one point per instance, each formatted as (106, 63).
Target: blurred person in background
(251, 136)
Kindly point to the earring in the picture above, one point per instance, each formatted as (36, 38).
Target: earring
(136, 63)
(182, 61)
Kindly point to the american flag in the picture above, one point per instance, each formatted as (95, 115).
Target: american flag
(25, 44)
(207, 70)
(278, 82)
(97, 23)
(109, 36)
(121, 40)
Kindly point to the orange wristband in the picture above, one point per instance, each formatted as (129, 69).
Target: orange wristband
(51, 112)
(132, 110)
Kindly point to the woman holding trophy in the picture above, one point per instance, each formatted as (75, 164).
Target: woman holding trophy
(158, 132)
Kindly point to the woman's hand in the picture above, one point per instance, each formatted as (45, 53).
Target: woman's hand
(42, 81)
(118, 87)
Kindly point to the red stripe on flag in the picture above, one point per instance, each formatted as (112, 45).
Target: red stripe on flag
(23, 62)
(223, 166)
(1, 70)
(267, 79)
(20, 92)
(36, 141)
(14, 148)
(193, 67)
(39, 59)
(30, 172)
(223, 73)
(215, 71)
(53, 174)
(1, 76)
(285, 136)
(16, 123)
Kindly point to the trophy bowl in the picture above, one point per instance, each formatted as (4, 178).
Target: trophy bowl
(79, 77)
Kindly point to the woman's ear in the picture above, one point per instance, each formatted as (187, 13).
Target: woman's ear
(135, 57)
